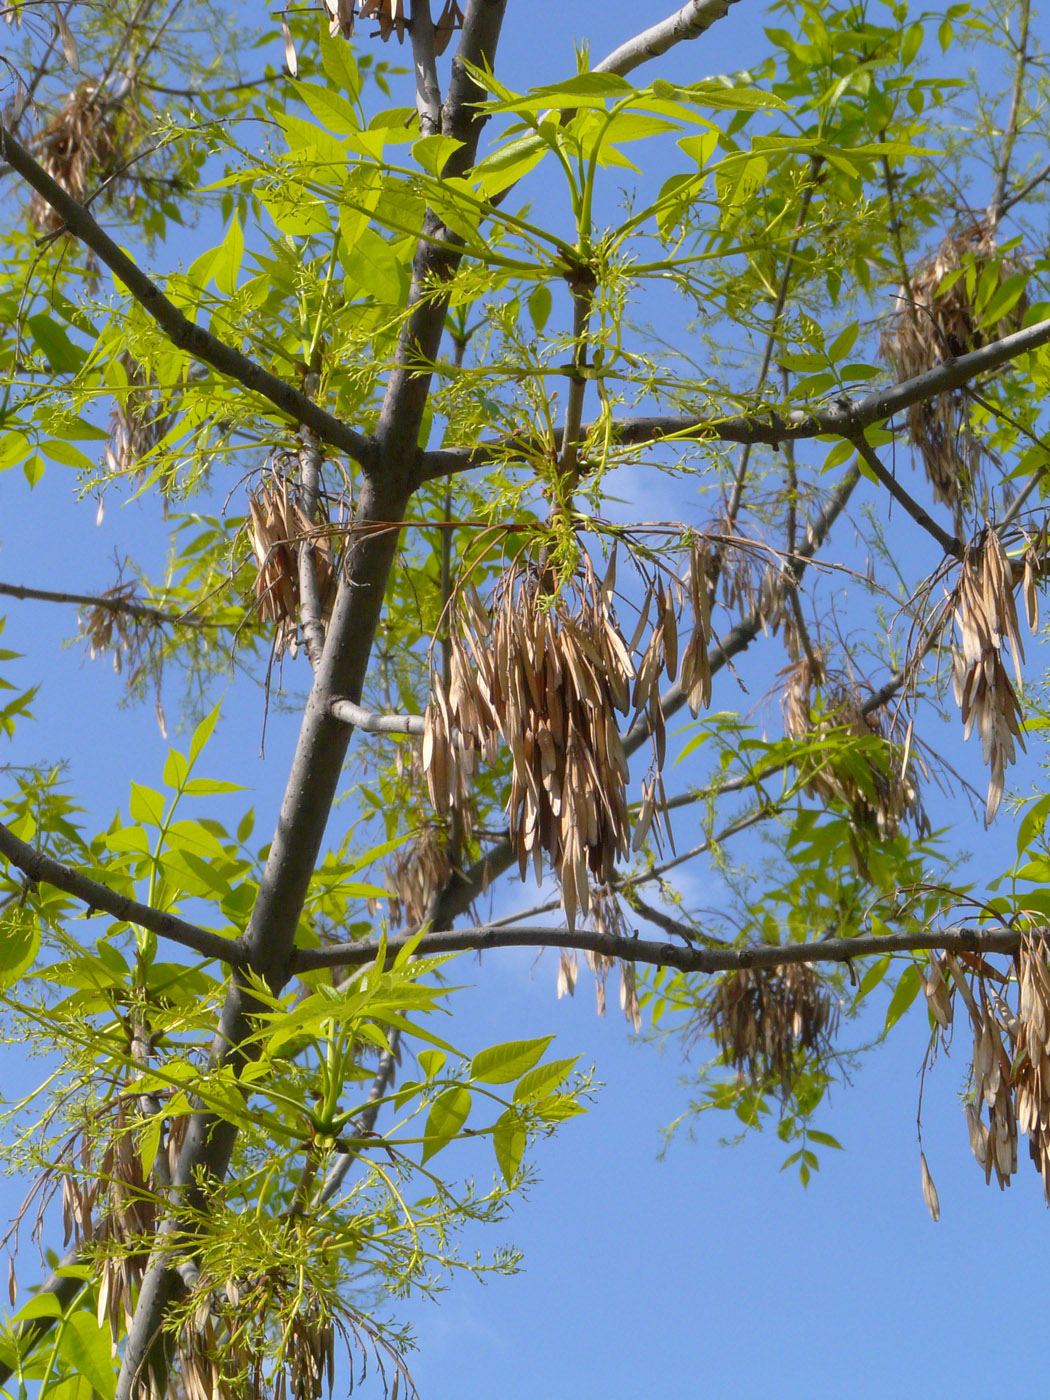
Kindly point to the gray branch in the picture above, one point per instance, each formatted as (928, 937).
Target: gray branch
(371, 723)
(114, 603)
(45, 869)
(681, 956)
(947, 542)
(692, 20)
(844, 418)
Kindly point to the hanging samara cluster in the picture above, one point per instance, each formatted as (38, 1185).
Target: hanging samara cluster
(986, 621)
(1011, 1056)
(547, 671)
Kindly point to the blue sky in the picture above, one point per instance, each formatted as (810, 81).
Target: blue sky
(705, 1273)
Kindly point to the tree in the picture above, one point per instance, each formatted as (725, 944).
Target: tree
(409, 383)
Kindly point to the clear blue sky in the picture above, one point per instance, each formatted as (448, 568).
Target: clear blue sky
(708, 1273)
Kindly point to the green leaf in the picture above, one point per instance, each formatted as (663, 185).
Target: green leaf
(210, 787)
(447, 1115)
(871, 979)
(1004, 299)
(701, 147)
(501, 1063)
(585, 90)
(371, 267)
(1033, 823)
(507, 164)
(62, 355)
(19, 943)
(824, 1139)
(433, 152)
(14, 446)
(229, 256)
(843, 343)
(508, 1140)
(542, 1080)
(190, 874)
(203, 733)
(43, 1305)
(67, 455)
(739, 180)
(539, 303)
(33, 469)
(337, 59)
(431, 1062)
(175, 770)
(128, 838)
(330, 108)
(146, 805)
(904, 994)
(557, 1107)
(840, 453)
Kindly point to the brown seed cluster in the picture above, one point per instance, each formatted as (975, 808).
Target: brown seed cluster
(418, 872)
(223, 1348)
(986, 618)
(935, 320)
(139, 420)
(764, 1020)
(83, 146)
(277, 528)
(110, 631)
(391, 18)
(1031, 1060)
(547, 673)
(272, 1335)
(109, 1206)
(1011, 1059)
(877, 787)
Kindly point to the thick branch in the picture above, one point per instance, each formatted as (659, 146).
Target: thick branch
(428, 89)
(371, 723)
(194, 339)
(45, 869)
(687, 23)
(309, 603)
(845, 418)
(681, 957)
(315, 773)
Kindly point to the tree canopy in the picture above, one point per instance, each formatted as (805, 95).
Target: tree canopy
(631, 484)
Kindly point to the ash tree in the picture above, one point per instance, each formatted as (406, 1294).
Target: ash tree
(438, 350)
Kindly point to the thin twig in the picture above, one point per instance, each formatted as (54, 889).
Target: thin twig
(947, 542)
(127, 607)
(1002, 165)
